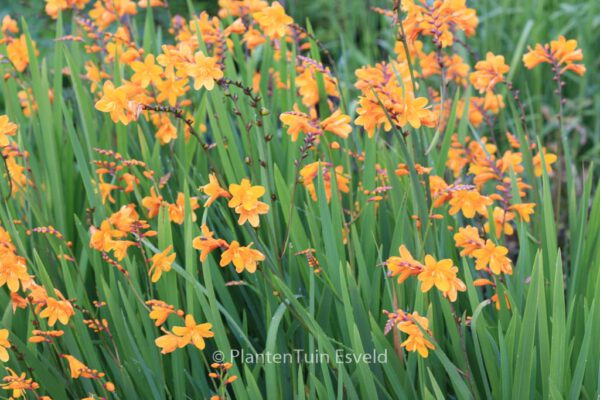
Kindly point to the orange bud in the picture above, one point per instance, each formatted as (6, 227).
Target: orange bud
(483, 282)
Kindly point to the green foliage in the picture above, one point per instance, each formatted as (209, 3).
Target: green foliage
(543, 347)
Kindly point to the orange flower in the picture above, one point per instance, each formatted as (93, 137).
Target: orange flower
(439, 190)
(308, 86)
(176, 211)
(456, 285)
(489, 72)
(4, 345)
(119, 248)
(9, 25)
(77, 368)
(252, 216)
(468, 238)
(169, 343)
(171, 88)
(116, 101)
(241, 257)
(237, 8)
(310, 172)
(161, 262)
(252, 39)
(13, 271)
(121, 48)
(456, 69)
(160, 311)
(501, 220)
(123, 219)
(204, 70)
(19, 384)
(469, 202)
(561, 52)
(404, 265)
(53, 7)
(494, 257)
(194, 333)
(524, 210)
(414, 325)
(166, 130)
(214, 190)
(206, 243)
(440, 19)
(549, 159)
(102, 238)
(57, 310)
(442, 275)
(492, 102)
(297, 122)
(245, 202)
(413, 112)
(7, 128)
(273, 20)
(146, 72)
(338, 124)
(152, 203)
(16, 173)
(18, 54)
(511, 160)
(371, 115)
(131, 181)
(106, 190)
(18, 301)
(400, 108)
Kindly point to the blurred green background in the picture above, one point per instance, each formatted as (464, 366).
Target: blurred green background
(355, 35)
